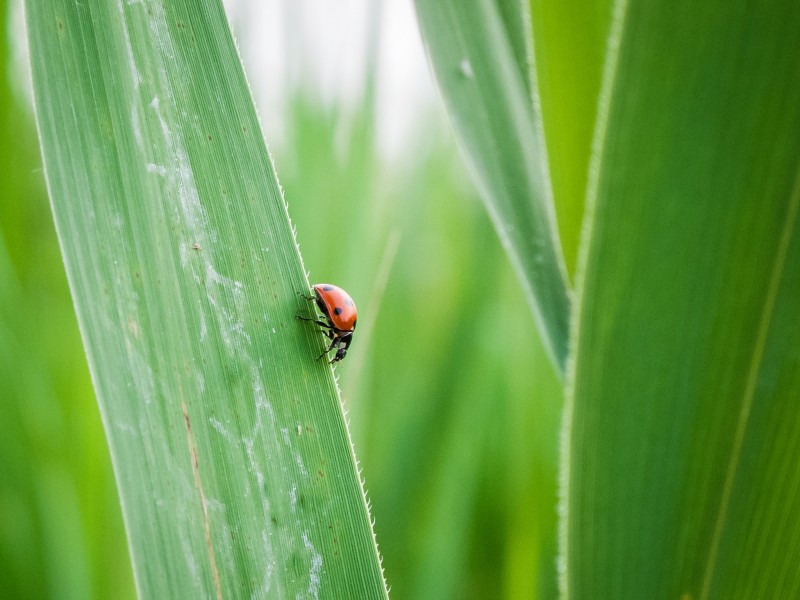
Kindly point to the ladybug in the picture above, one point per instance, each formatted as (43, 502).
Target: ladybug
(339, 311)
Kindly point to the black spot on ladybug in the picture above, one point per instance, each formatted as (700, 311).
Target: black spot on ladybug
(327, 288)
(337, 311)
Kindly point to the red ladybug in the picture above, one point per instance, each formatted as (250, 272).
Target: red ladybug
(339, 311)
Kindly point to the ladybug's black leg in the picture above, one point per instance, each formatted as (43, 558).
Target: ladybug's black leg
(320, 323)
(329, 348)
(326, 329)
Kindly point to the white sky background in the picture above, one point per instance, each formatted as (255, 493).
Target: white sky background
(324, 46)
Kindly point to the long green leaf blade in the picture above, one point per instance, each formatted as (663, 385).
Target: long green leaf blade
(682, 452)
(570, 41)
(230, 449)
(478, 52)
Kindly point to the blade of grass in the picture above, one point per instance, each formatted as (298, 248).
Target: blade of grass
(682, 436)
(478, 54)
(569, 40)
(230, 449)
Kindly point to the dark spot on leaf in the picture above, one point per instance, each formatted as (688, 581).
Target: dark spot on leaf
(297, 564)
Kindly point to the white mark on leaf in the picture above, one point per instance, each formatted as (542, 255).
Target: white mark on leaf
(133, 69)
(285, 435)
(157, 169)
(465, 67)
(316, 567)
(219, 427)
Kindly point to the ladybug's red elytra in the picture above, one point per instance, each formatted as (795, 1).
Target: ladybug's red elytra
(339, 311)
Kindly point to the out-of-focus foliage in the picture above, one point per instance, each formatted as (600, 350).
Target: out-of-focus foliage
(479, 52)
(454, 405)
(682, 449)
(682, 387)
(61, 533)
(569, 48)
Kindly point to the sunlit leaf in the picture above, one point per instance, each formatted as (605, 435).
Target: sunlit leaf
(232, 459)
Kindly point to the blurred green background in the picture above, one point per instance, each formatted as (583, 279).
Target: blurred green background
(454, 408)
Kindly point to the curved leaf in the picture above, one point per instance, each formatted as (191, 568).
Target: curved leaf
(478, 53)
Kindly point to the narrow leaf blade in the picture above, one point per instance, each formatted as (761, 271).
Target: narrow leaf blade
(570, 42)
(478, 54)
(232, 458)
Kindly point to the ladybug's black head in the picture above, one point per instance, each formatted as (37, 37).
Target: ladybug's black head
(342, 344)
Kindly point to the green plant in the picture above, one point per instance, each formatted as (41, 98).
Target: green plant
(681, 390)
(673, 127)
(233, 462)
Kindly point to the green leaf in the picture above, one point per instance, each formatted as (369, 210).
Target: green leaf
(232, 458)
(478, 51)
(682, 449)
(570, 42)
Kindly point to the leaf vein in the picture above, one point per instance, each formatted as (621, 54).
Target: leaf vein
(750, 384)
